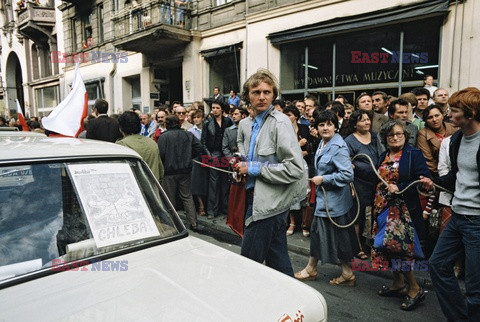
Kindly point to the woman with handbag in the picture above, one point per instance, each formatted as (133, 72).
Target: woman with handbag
(398, 220)
(362, 140)
(333, 168)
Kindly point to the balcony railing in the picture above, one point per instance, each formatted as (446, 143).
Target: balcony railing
(147, 15)
(43, 15)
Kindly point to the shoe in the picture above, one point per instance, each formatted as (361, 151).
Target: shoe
(341, 280)
(194, 228)
(410, 303)
(361, 255)
(388, 292)
(201, 211)
(210, 217)
(306, 233)
(304, 275)
(291, 230)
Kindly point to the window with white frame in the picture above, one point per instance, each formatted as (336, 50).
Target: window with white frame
(46, 99)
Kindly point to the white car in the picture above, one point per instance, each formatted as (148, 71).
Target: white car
(87, 233)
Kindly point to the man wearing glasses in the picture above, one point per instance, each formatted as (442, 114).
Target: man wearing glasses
(181, 112)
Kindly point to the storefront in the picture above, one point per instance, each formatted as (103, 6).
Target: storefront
(351, 55)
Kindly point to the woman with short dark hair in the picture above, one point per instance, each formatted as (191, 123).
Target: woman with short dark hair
(329, 243)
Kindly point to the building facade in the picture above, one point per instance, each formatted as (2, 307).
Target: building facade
(147, 53)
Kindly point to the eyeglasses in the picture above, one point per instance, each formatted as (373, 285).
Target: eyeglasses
(183, 113)
(398, 134)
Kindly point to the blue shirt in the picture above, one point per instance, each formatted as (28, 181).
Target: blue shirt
(234, 101)
(253, 165)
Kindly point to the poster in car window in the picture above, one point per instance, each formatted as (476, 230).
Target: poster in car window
(113, 203)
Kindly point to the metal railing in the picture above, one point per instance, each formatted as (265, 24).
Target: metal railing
(146, 15)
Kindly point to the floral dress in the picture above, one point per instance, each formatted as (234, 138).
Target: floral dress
(399, 230)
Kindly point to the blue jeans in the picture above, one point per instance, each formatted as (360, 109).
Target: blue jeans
(266, 240)
(462, 232)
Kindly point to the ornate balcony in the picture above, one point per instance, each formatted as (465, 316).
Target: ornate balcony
(155, 28)
(35, 22)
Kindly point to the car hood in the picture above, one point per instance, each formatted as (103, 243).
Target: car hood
(184, 280)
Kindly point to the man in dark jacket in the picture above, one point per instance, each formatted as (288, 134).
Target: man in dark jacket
(177, 163)
(103, 127)
(212, 137)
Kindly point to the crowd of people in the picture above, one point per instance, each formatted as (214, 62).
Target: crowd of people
(303, 162)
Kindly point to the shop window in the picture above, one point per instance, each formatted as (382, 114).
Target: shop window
(370, 58)
(421, 39)
(320, 57)
(365, 57)
(46, 99)
(293, 66)
(225, 72)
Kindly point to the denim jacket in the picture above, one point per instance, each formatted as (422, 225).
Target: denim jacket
(333, 163)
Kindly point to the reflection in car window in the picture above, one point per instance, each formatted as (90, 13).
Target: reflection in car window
(42, 216)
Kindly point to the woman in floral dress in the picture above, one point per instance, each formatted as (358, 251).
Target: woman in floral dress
(399, 166)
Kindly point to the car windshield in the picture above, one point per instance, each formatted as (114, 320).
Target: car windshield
(69, 211)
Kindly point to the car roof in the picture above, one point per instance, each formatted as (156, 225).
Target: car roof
(16, 146)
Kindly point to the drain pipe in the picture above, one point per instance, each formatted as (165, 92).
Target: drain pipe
(246, 42)
(111, 76)
(461, 45)
(453, 44)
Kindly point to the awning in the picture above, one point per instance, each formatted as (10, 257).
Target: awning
(208, 53)
(362, 21)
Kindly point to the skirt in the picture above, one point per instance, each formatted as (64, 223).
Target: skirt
(328, 243)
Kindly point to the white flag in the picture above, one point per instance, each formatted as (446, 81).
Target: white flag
(67, 118)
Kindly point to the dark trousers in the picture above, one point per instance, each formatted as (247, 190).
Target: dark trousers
(217, 191)
(266, 240)
(461, 233)
(180, 183)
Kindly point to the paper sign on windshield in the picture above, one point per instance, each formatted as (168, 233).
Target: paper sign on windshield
(112, 201)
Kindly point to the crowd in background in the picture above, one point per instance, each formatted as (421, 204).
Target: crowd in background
(405, 138)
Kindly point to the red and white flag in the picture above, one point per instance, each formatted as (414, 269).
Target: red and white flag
(67, 118)
(21, 118)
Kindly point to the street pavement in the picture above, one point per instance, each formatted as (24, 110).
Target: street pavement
(344, 303)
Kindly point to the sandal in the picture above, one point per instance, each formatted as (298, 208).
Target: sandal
(306, 233)
(291, 230)
(201, 211)
(410, 303)
(388, 292)
(304, 275)
(361, 255)
(341, 280)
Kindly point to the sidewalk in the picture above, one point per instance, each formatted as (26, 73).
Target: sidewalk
(299, 244)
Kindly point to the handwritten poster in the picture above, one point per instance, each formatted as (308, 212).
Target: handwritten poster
(113, 203)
